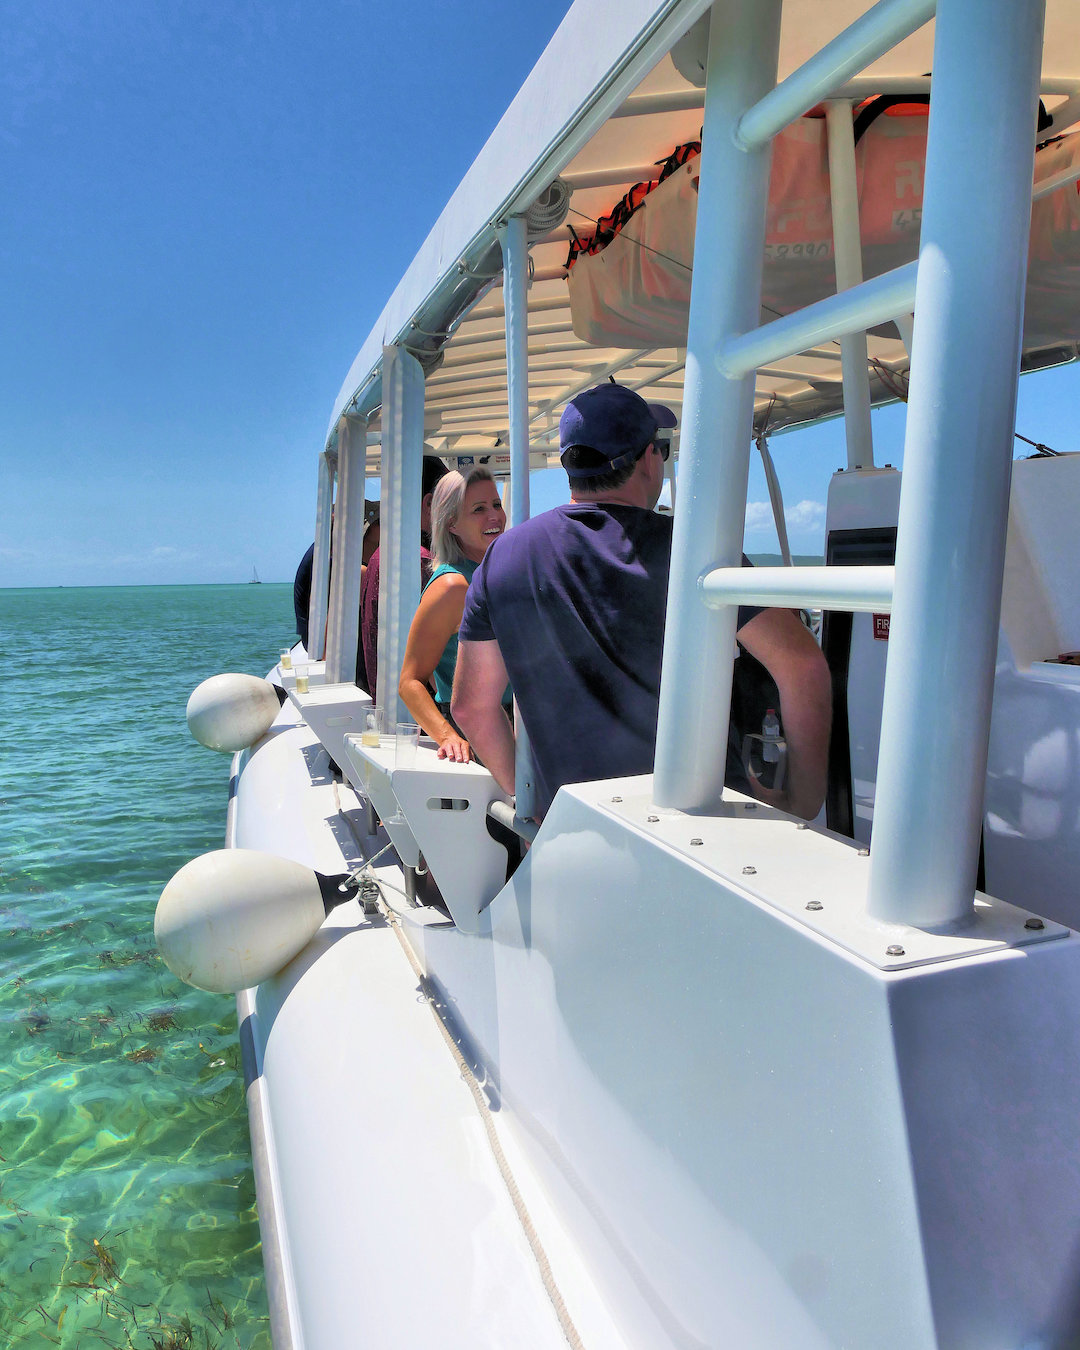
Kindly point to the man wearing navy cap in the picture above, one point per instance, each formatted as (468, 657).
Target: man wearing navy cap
(570, 606)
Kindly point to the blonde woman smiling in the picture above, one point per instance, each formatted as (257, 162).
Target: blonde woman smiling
(466, 516)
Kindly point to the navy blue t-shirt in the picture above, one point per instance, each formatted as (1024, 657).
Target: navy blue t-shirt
(576, 599)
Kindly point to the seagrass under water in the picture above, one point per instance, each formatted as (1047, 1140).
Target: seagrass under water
(127, 1208)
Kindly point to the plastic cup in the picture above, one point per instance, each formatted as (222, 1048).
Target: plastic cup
(301, 679)
(373, 720)
(286, 658)
(406, 739)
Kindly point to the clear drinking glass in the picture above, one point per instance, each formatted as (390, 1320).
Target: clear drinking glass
(373, 721)
(406, 739)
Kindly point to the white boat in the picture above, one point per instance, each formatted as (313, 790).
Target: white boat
(697, 1074)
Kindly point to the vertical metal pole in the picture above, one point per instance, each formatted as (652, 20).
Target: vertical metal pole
(776, 498)
(344, 626)
(847, 254)
(957, 461)
(399, 540)
(718, 412)
(515, 241)
(318, 605)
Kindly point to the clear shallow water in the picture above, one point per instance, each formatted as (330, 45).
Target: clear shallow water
(127, 1208)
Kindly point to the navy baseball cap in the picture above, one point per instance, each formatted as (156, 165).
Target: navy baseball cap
(615, 422)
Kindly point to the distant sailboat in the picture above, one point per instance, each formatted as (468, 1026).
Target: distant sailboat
(254, 577)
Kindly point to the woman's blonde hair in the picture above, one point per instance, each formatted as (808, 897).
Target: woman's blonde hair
(447, 502)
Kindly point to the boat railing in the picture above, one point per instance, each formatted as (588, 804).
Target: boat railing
(964, 356)
(857, 589)
(503, 813)
(878, 300)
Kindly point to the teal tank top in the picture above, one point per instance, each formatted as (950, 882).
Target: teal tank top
(444, 671)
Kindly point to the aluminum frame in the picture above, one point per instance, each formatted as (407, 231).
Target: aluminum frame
(856, 589)
(399, 542)
(515, 245)
(343, 627)
(965, 364)
(718, 410)
(319, 601)
(847, 255)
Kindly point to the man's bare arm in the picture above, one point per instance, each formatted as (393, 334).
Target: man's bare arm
(786, 648)
(479, 683)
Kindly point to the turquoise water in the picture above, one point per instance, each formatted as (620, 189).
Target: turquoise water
(127, 1208)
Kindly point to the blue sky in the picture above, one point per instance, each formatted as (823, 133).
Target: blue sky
(207, 206)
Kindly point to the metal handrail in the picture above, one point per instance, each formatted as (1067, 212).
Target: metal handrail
(854, 310)
(857, 589)
(858, 46)
(504, 813)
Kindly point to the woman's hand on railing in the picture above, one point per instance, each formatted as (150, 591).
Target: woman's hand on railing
(455, 748)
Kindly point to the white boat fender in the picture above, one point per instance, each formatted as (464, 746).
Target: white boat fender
(230, 712)
(232, 918)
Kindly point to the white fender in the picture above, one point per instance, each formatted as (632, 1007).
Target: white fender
(231, 712)
(231, 918)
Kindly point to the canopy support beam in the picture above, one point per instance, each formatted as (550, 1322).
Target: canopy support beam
(348, 548)
(318, 605)
(847, 254)
(515, 246)
(399, 542)
(957, 462)
(718, 410)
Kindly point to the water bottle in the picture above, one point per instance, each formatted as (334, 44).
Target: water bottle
(770, 737)
(765, 754)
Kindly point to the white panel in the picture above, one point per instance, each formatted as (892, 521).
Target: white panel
(1040, 603)
(745, 1125)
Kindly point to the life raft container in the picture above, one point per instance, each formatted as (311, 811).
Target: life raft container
(630, 281)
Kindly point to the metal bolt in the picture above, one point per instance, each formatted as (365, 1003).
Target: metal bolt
(749, 871)
(1034, 923)
(652, 819)
(697, 841)
(814, 905)
(751, 806)
(616, 799)
(894, 950)
(801, 825)
(864, 853)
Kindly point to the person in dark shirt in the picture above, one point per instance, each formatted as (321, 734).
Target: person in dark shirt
(367, 655)
(570, 607)
(302, 581)
(301, 594)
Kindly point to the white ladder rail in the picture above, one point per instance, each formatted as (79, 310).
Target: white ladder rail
(859, 45)
(866, 590)
(962, 404)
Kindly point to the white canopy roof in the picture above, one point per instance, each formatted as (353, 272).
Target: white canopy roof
(603, 104)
